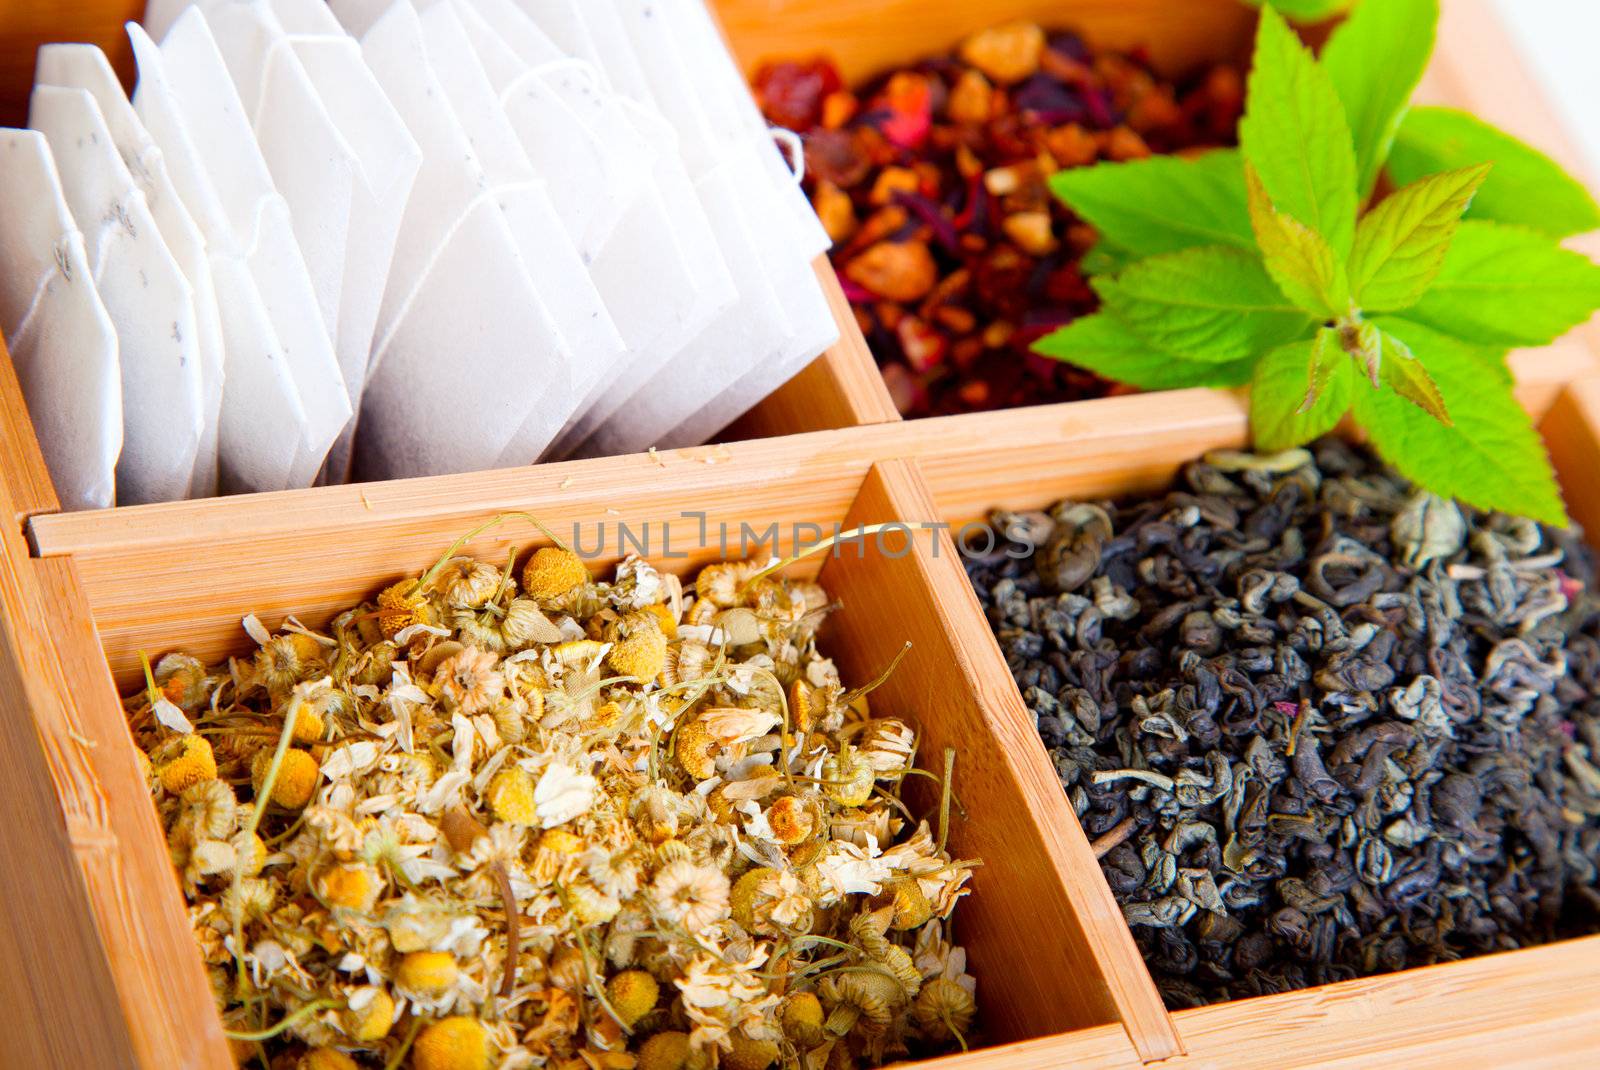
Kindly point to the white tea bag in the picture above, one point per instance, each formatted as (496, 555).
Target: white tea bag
(751, 331)
(86, 67)
(261, 227)
(260, 420)
(144, 292)
(338, 153)
(593, 179)
(731, 112)
(63, 344)
(660, 272)
(552, 260)
(466, 349)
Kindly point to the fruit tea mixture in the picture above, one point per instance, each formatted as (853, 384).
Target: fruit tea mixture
(931, 181)
(1319, 725)
(556, 823)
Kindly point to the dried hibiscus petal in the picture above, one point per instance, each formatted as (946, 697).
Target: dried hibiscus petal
(932, 181)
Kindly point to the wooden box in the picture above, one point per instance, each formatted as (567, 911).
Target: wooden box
(101, 969)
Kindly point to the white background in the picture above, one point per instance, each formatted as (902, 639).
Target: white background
(1560, 43)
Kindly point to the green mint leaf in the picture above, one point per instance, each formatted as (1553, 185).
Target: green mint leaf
(1103, 258)
(1406, 376)
(1307, 10)
(1295, 133)
(1304, 266)
(1490, 456)
(1375, 59)
(1506, 286)
(1526, 188)
(1162, 204)
(1401, 244)
(1286, 379)
(1216, 304)
(1108, 347)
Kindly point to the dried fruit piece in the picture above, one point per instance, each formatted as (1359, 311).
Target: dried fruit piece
(898, 271)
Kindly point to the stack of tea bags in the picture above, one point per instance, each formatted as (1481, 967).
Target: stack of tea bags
(367, 239)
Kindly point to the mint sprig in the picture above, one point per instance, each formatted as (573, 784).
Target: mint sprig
(1268, 264)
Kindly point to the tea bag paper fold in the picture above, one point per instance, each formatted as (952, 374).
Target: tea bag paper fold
(62, 342)
(144, 292)
(86, 67)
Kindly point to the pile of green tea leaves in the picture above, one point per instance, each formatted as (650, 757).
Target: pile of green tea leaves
(1276, 265)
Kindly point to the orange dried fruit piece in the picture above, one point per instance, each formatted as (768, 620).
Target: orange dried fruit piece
(897, 271)
(1008, 53)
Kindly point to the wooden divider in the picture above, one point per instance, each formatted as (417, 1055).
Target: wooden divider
(962, 695)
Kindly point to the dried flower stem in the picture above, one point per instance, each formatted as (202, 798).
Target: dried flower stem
(1104, 845)
(288, 1021)
(843, 536)
(944, 796)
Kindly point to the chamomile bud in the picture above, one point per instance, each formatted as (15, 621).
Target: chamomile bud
(326, 1059)
(553, 573)
(747, 1054)
(455, 1043)
(792, 820)
(183, 762)
(369, 1014)
(639, 649)
(400, 605)
(801, 1017)
(633, 993)
(183, 681)
(510, 797)
(849, 777)
(944, 1009)
(664, 1051)
(297, 777)
(911, 907)
(428, 972)
(351, 886)
(696, 750)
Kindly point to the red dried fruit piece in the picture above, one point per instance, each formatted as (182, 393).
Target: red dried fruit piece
(837, 156)
(923, 346)
(791, 92)
(908, 100)
(899, 271)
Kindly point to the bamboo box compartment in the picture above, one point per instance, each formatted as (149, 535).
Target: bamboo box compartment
(102, 970)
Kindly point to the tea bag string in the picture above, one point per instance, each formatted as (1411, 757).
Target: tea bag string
(485, 198)
(61, 255)
(794, 152)
(281, 49)
(118, 218)
(539, 70)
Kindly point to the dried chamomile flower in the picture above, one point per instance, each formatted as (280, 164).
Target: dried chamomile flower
(326, 1059)
(665, 1051)
(690, 895)
(638, 646)
(456, 1043)
(470, 680)
(552, 574)
(426, 972)
(466, 583)
(633, 994)
(183, 762)
(296, 781)
(369, 1014)
(944, 1010)
(183, 681)
(285, 660)
(590, 826)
